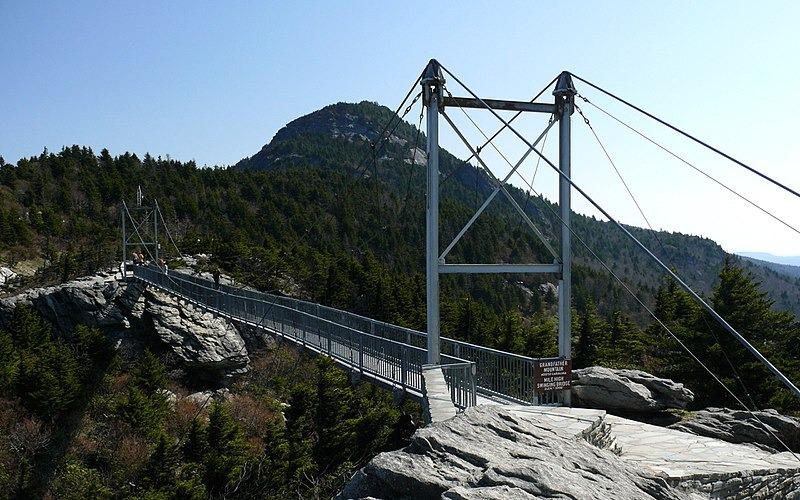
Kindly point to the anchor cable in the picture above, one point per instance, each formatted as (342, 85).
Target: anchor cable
(664, 252)
(691, 165)
(689, 136)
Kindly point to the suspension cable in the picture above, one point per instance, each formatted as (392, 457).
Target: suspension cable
(161, 215)
(691, 165)
(622, 179)
(413, 163)
(663, 326)
(775, 371)
(665, 254)
(383, 140)
(689, 136)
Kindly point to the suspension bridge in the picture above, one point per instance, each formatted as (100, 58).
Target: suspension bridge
(425, 365)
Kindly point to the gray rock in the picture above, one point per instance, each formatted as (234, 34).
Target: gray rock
(204, 398)
(206, 344)
(626, 390)
(737, 426)
(488, 452)
(667, 392)
(91, 301)
(548, 289)
(6, 276)
(201, 340)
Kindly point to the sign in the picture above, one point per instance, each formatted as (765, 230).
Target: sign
(552, 374)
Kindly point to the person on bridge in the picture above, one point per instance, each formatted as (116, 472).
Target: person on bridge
(215, 273)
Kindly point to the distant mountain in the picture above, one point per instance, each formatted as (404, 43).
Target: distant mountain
(340, 136)
(786, 269)
(788, 260)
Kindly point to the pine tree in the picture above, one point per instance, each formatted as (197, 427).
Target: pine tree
(150, 375)
(542, 337)
(627, 344)
(8, 363)
(592, 338)
(194, 448)
(159, 471)
(28, 329)
(225, 454)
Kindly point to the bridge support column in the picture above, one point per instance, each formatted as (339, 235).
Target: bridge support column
(565, 99)
(432, 83)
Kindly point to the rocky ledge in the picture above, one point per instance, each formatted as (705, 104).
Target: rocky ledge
(204, 344)
(497, 452)
(626, 390)
(494, 451)
(765, 429)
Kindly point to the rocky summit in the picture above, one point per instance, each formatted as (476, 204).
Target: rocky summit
(536, 453)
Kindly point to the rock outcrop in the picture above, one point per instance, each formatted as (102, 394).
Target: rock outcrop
(203, 342)
(736, 426)
(6, 276)
(626, 390)
(493, 452)
(91, 300)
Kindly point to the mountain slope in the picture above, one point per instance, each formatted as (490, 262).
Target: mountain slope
(339, 136)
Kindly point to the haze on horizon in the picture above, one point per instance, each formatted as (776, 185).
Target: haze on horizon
(214, 82)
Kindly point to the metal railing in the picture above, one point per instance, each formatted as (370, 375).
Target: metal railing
(460, 378)
(500, 375)
(393, 363)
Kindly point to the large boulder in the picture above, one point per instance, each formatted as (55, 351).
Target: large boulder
(204, 342)
(491, 452)
(626, 390)
(764, 429)
(209, 346)
(6, 276)
(90, 300)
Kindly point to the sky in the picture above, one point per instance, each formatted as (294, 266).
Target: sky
(214, 81)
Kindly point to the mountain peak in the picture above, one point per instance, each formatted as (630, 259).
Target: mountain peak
(347, 124)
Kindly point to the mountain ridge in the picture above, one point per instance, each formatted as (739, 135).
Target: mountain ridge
(352, 127)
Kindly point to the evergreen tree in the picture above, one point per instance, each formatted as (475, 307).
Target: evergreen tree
(592, 338)
(159, 472)
(627, 344)
(150, 375)
(8, 363)
(225, 454)
(194, 448)
(542, 337)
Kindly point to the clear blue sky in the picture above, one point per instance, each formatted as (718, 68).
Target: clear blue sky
(213, 81)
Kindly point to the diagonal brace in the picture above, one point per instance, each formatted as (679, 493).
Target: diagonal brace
(502, 188)
(138, 224)
(494, 193)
